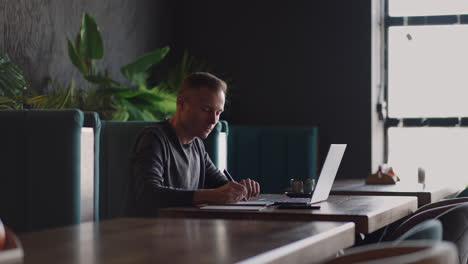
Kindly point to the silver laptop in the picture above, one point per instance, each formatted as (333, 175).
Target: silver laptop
(322, 188)
(325, 180)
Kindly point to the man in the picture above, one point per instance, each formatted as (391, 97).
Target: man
(169, 164)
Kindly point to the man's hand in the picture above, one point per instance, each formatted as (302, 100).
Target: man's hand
(253, 188)
(232, 192)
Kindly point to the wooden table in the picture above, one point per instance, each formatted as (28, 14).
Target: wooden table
(369, 213)
(159, 240)
(425, 195)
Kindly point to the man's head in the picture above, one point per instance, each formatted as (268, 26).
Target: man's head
(200, 102)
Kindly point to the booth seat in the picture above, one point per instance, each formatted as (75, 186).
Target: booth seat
(116, 142)
(272, 155)
(40, 168)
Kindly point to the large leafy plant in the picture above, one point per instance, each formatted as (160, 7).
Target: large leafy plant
(133, 100)
(15, 92)
(174, 77)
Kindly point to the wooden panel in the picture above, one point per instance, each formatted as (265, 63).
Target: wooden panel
(188, 240)
(425, 194)
(369, 213)
(87, 174)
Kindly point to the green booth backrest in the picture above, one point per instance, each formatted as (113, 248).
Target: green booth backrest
(272, 155)
(117, 140)
(40, 168)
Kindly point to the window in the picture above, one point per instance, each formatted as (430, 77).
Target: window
(426, 89)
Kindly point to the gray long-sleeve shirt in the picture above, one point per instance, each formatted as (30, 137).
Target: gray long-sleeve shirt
(165, 172)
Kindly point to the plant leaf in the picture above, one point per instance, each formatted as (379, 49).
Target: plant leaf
(36, 99)
(101, 80)
(120, 115)
(143, 63)
(4, 100)
(75, 58)
(91, 46)
(12, 81)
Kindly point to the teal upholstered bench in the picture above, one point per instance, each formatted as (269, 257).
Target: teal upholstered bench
(40, 168)
(117, 139)
(272, 155)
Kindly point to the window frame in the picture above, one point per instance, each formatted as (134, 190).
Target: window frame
(382, 106)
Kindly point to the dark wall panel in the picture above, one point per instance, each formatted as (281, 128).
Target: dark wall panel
(296, 62)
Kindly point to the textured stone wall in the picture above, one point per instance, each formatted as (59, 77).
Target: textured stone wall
(33, 33)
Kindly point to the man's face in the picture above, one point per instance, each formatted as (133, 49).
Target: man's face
(200, 111)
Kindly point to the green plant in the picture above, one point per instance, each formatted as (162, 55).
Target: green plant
(134, 100)
(14, 89)
(173, 79)
(188, 64)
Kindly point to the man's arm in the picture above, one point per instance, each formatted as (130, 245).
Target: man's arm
(214, 178)
(231, 192)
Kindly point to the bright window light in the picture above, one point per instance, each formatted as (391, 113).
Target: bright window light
(428, 71)
(442, 152)
(427, 7)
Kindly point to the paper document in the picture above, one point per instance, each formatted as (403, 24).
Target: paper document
(232, 207)
(252, 203)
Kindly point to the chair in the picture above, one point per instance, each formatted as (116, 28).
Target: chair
(117, 139)
(427, 230)
(455, 229)
(440, 203)
(40, 167)
(272, 155)
(416, 219)
(407, 252)
(463, 193)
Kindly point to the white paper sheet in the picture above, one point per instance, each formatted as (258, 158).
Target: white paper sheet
(233, 207)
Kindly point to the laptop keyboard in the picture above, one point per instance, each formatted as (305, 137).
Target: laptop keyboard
(293, 201)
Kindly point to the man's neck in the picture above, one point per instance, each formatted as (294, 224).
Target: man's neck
(180, 130)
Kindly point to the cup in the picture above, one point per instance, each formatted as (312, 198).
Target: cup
(296, 185)
(308, 185)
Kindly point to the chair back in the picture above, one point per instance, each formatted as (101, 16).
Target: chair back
(455, 229)
(463, 193)
(426, 230)
(117, 139)
(440, 203)
(40, 166)
(418, 218)
(407, 252)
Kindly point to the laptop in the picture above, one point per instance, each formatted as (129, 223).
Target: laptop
(324, 182)
(321, 191)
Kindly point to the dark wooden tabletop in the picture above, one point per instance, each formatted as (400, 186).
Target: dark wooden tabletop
(164, 240)
(369, 213)
(425, 194)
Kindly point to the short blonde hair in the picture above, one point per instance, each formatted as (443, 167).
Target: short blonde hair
(198, 80)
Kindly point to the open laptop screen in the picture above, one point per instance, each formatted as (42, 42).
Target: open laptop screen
(328, 173)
